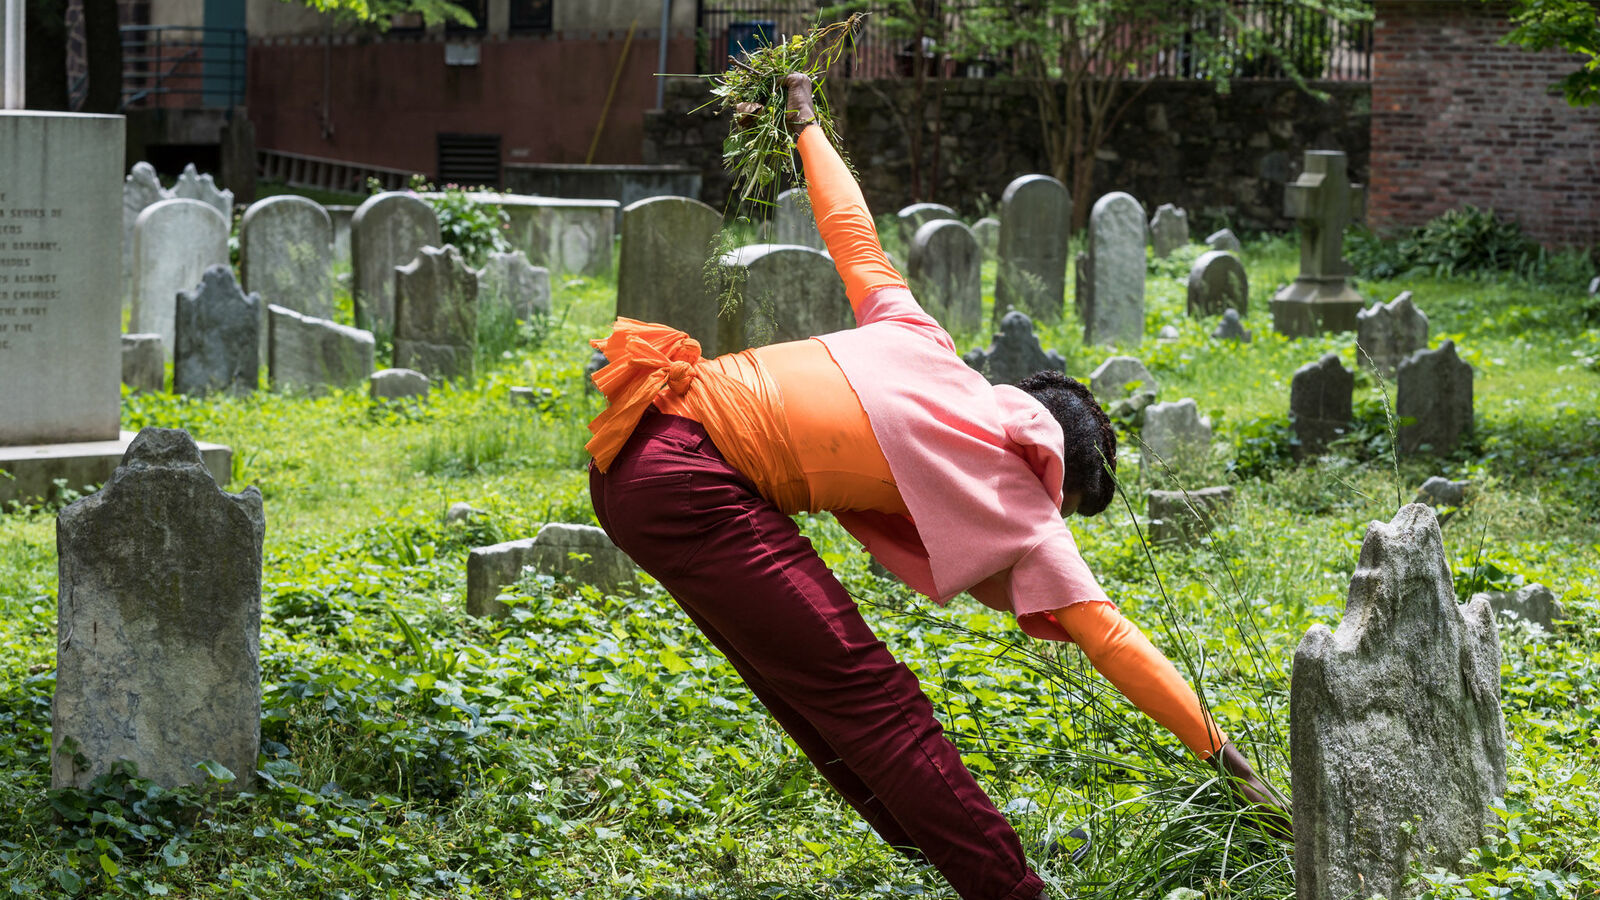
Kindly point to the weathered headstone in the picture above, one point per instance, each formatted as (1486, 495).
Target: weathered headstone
(461, 513)
(794, 222)
(1442, 491)
(1014, 353)
(1320, 404)
(1534, 603)
(1231, 328)
(917, 215)
(1594, 286)
(340, 217)
(314, 354)
(580, 551)
(1110, 284)
(1175, 435)
(159, 622)
(398, 384)
(387, 231)
(786, 293)
(1434, 391)
(1035, 217)
(1224, 240)
(946, 274)
(218, 335)
(1323, 201)
(286, 254)
(1183, 517)
(436, 314)
(192, 185)
(143, 363)
(1166, 334)
(567, 236)
(140, 190)
(1169, 230)
(1389, 332)
(1217, 281)
(174, 242)
(661, 274)
(1114, 378)
(987, 231)
(510, 283)
(1395, 730)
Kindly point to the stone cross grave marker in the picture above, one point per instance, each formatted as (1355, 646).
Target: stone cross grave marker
(1320, 404)
(786, 293)
(1014, 353)
(174, 242)
(1434, 389)
(946, 273)
(1387, 333)
(159, 622)
(514, 287)
(1217, 281)
(217, 329)
(1035, 217)
(1110, 285)
(1231, 328)
(387, 231)
(1169, 230)
(917, 215)
(286, 256)
(1322, 201)
(1395, 730)
(436, 314)
(1176, 436)
(312, 355)
(1112, 379)
(662, 271)
(793, 221)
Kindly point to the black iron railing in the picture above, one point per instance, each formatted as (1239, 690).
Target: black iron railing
(168, 66)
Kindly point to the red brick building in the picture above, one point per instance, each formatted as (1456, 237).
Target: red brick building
(1458, 118)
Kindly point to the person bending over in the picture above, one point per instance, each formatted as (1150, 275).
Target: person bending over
(953, 484)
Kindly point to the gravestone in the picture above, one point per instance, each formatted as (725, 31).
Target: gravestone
(1320, 404)
(174, 242)
(1110, 284)
(517, 288)
(1534, 603)
(192, 185)
(786, 293)
(398, 384)
(794, 222)
(582, 552)
(913, 217)
(1031, 275)
(286, 254)
(387, 231)
(567, 236)
(1169, 230)
(1442, 491)
(661, 274)
(1184, 517)
(1389, 332)
(1014, 353)
(1217, 281)
(313, 355)
(946, 274)
(218, 335)
(1230, 328)
(340, 217)
(1175, 435)
(159, 619)
(436, 314)
(143, 363)
(1395, 730)
(1434, 390)
(1166, 334)
(140, 190)
(1323, 202)
(1224, 240)
(987, 231)
(1112, 379)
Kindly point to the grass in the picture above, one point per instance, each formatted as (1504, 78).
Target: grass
(594, 746)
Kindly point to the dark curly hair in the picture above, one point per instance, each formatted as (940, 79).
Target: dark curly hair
(1091, 444)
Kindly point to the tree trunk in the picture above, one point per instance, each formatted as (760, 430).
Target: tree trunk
(45, 71)
(103, 47)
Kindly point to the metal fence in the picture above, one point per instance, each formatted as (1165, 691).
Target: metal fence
(165, 66)
(1256, 39)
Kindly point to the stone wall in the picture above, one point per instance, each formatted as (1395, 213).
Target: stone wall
(1224, 158)
(1458, 118)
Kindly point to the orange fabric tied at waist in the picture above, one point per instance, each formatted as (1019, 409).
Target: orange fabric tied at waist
(644, 358)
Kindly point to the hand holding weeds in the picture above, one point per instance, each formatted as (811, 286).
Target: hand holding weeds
(1250, 789)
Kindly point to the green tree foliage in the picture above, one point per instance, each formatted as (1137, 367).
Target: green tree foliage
(381, 12)
(1570, 25)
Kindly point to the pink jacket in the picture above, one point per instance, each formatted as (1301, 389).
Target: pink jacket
(978, 465)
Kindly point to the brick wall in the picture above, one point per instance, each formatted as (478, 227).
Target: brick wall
(1457, 118)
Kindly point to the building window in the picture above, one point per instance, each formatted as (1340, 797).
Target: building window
(531, 16)
(478, 9)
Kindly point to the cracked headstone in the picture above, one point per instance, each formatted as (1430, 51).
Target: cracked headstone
(1110, 283)
(436, 314)
(218, 334)
(1112, 379)
(1169, 230)
(1183, 517)
(1031, 274)
(1014, 352)
(1217, 281)
(1395, 730)
(1387, 333)
(1231, 328)
(946, 274)
(1434, 392)
(1321, 404)
(159, 622)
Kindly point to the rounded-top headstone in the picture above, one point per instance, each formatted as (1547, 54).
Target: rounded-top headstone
(1169, 230)
(1111, 298)
(1035, 218)
(919, 214)
(987, 231)
(789, 293)
(794, 222)
(1224, 240)
(286, 254)
(1112, 379)
(1217, 281)
(387, 230)
(945, 271)
(174, 241)
(666, 242)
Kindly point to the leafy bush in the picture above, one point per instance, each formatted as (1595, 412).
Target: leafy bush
(1463, 242)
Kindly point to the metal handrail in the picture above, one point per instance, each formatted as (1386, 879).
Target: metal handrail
(183, 66)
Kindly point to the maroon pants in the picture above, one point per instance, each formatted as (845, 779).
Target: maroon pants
(753, 584)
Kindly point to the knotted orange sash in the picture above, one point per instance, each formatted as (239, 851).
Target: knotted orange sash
(643, 358)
